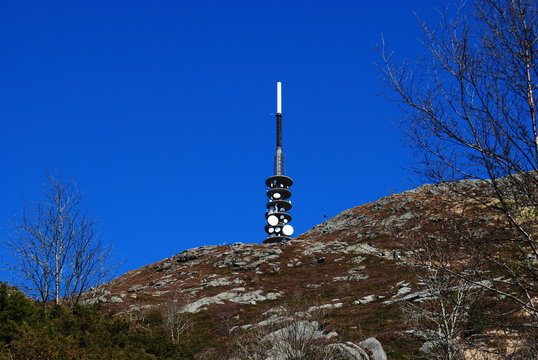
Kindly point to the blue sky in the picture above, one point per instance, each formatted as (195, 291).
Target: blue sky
(162, 112)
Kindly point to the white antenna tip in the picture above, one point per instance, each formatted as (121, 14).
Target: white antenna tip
(279, 97)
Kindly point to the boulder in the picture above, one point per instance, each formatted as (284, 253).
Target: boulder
(350, 351)
(374, 346)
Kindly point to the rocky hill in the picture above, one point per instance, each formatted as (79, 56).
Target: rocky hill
(345, 279)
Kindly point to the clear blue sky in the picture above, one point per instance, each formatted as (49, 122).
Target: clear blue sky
(161, 111)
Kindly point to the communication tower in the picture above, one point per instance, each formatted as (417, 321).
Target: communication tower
(278, 228)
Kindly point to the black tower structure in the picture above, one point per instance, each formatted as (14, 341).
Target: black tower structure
(278, 228)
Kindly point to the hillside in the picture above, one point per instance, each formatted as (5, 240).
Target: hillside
(350, 274)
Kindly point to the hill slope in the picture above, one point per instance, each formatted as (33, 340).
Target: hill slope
(350, 273)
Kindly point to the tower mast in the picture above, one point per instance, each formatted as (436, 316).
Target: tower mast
(278, 228)
(279, 157)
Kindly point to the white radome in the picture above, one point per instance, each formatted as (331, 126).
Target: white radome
(287, 230)
(272, 220)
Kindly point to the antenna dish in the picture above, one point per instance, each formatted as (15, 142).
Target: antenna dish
(287, 230)
(272, 220)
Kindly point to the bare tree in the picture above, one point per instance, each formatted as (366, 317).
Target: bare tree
(175, 321)
(443, 316)
(470, 106)
(57, 247)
